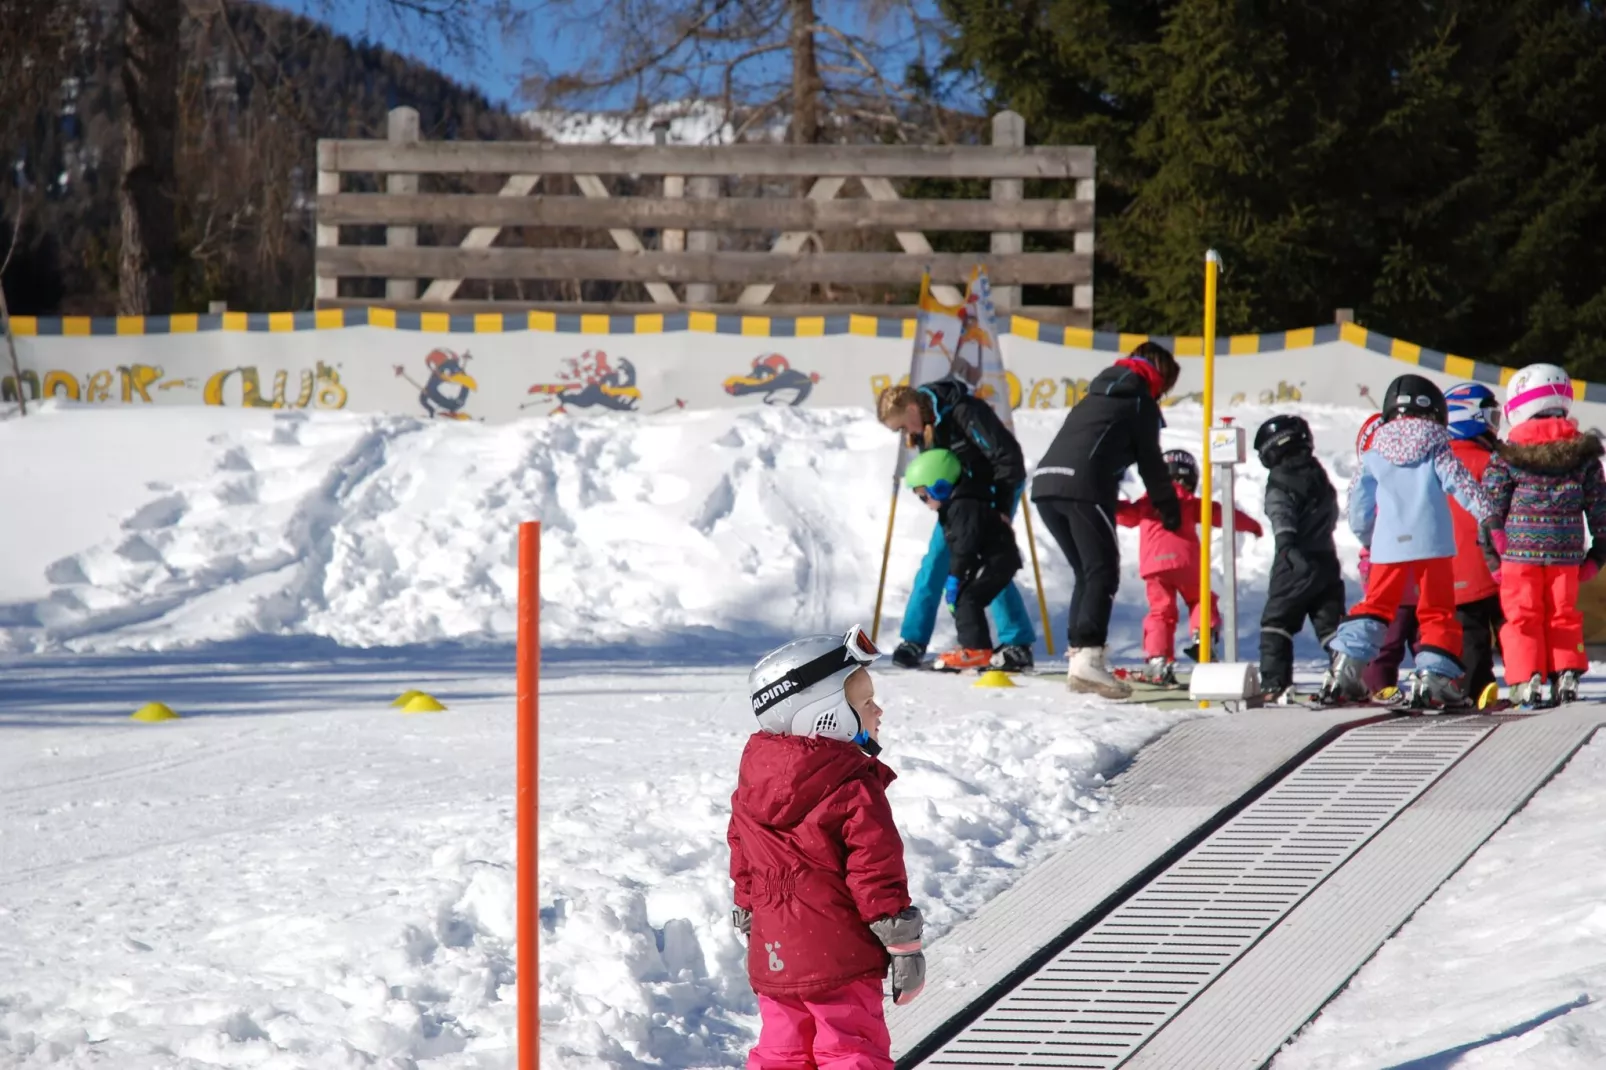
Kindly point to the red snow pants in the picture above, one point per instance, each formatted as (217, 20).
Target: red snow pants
(1160, 626)
(1544, 631)
(1436, 622)
(841, 1030)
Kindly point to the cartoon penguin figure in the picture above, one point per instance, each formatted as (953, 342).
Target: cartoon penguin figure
(448, 387)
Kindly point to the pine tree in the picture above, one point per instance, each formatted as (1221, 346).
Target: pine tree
(1439, 166)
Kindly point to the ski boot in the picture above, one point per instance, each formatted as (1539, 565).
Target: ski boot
(961, 658)
(1564, 688)
(1343, 682)
(1280, 696)
(1530, 694)
(1160, 670)
(908, 655)
(1432, 693)
(1012, 657)
(1193, 648)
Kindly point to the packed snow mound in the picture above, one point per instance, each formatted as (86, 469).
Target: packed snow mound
(386, 530)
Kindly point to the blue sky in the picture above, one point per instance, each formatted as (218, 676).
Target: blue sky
(495, 71)
(501, 58)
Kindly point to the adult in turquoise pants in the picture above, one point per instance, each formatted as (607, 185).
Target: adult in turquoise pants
(1015, 632)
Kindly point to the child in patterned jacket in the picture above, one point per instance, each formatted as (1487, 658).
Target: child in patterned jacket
(1544, 482)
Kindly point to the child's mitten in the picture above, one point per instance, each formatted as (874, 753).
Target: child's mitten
(743, 920)
(901, 935)
(950, 592)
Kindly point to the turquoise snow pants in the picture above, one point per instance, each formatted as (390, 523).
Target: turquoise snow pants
(920, 615)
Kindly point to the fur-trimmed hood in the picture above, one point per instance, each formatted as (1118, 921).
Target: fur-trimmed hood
(1558, 448)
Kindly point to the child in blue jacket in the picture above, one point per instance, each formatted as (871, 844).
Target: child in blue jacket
(1399, 507)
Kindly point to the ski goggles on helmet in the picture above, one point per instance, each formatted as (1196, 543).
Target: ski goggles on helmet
(857, 649)
(939, 490)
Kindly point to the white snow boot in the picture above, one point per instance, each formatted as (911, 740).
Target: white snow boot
(1091, 675)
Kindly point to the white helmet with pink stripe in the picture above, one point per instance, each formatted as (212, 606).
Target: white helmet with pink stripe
(1538, 389)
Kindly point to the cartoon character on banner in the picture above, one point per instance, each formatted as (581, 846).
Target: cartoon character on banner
(773, 377)
(958, 366)
(593, 381)
(446, 390)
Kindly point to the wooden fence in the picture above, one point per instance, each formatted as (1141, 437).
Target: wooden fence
(679, 225)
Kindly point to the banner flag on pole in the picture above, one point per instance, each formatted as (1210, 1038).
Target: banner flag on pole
(960, 342)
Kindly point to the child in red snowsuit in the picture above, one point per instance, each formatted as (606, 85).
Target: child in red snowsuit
(821, 891)
(1168, 561)
(1545, 481)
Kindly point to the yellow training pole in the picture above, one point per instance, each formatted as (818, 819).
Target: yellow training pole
(886, 552)
(1212, 267)
(1037, 575)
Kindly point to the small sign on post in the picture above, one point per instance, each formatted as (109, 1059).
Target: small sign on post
(1228, 449)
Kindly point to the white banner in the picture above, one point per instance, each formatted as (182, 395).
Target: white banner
(512, 374)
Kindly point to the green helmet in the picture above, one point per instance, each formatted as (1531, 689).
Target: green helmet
(936, 470)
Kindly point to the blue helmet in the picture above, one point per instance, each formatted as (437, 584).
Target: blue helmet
(1473, 409)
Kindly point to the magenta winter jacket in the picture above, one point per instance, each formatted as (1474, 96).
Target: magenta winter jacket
(816, 857)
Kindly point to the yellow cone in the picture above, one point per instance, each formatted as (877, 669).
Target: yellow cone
(405, 697)
(995, 678)
(152, 712)
(422, 703)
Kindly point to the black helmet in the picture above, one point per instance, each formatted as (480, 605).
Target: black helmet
(1415, 395)
(1183, 468)
(1282, 437)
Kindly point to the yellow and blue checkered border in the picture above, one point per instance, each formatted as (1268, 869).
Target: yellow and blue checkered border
(761, 327)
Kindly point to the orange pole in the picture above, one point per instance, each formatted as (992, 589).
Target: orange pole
(528, 916)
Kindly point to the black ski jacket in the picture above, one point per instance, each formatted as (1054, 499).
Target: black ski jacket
(977, 534)
(1302, 504)
(1114, 427)
(995, 468)
(1302, 508)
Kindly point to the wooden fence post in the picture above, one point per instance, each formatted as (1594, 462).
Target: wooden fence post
(1082, 293)
(402, 129)
(670, 240)
(1009, 131)
(701, 188)
(325, 236)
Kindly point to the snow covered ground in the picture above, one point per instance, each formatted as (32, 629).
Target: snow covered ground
(297, 875)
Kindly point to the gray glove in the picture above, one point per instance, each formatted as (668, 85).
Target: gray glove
(901, 935)
(743, 920)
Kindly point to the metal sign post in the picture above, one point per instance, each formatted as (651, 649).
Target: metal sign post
(1227, 451)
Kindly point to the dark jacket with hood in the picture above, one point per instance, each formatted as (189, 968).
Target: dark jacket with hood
(967, 426)
(1302, 511)
(977, 535)
(1114, 427)
(816, 857)
(1544, 484)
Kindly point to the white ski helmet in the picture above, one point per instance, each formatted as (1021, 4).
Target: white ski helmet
(1537, 389)
(797, 689)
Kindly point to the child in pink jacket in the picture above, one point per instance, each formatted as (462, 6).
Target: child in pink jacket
(1169, 565)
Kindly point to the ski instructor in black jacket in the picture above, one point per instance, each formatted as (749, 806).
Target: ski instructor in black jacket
(1077, 484)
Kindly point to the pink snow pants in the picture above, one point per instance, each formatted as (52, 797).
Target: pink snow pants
(1160, 626)
(841, 1030)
